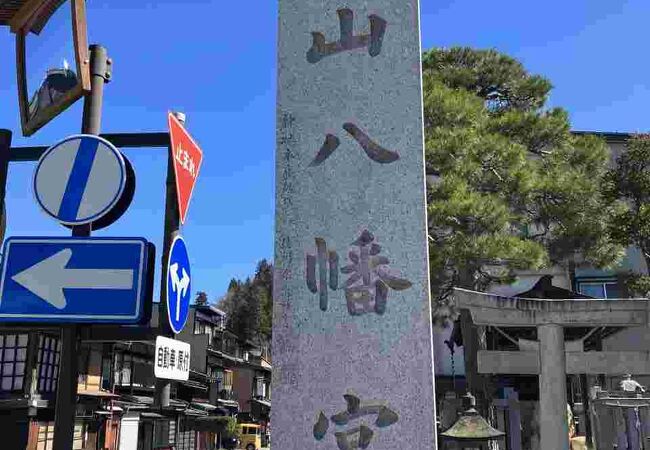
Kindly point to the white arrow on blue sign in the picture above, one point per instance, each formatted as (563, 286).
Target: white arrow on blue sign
(74, 280)
(178, 285)
(80, 179)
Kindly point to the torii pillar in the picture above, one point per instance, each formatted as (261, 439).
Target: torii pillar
(554, 427)
(552, 362)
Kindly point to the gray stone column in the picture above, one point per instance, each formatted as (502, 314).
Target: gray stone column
(554, 429)
(352, 338)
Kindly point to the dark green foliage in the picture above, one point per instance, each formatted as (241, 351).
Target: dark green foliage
(512, 188)
(264, 293)
(249, 305)
(201, 298)
(629, 181)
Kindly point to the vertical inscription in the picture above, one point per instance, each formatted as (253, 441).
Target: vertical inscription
(358, 315)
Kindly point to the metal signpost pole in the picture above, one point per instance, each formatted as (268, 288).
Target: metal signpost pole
(66, 392)
(100, 73)
(172, 227)
(5, 151)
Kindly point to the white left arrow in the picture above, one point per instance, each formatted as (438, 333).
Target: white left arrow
(49, 277)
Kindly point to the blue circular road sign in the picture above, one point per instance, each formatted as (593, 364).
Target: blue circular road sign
(178, 285)
(80, 179)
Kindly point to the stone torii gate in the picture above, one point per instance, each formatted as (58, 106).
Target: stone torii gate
(553, 362)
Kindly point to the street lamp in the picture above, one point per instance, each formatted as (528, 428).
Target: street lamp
(61, 86)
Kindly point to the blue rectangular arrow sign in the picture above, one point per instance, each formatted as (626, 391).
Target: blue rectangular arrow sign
(70, 279)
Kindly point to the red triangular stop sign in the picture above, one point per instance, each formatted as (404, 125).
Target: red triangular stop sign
(187, 157)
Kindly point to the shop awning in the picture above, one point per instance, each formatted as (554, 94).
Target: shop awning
(229, 403)
(263, 402)
(203, 406)
(150, 415)
(226, 356)
(101, 394)
(194, 385)
(194, 412)
(109, 410)
(212, 424)
(15, 403)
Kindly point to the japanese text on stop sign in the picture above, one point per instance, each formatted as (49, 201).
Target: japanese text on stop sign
(185, 160)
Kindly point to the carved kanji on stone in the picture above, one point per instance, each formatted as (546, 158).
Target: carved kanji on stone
(366, 289)
(327, 264)
(360, 436)
(348, 40)
(374, 151)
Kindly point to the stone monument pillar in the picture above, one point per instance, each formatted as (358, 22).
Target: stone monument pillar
(352, 346)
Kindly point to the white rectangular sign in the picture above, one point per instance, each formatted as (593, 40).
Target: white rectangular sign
(172, 359)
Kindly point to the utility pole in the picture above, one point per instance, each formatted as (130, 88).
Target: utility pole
(171, 230)
(66, 391)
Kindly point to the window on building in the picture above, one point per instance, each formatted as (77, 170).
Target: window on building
(13, 353)
(215, 373)
(259, 388)
(107, 366)
(142, 374)
(45, 437)
(186, 436)
(164, 433)
(220, 322)
(90, 366)
(84, 358)
(49, 349)
(227, 380)
(599, 288)
(133, 370)
(202, 327)
(217, 343)
(199, 326)
(81, 438)
(122, 369)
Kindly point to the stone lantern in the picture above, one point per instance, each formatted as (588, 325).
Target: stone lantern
(471, 431)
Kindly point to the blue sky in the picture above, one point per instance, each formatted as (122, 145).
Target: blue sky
(215, 61)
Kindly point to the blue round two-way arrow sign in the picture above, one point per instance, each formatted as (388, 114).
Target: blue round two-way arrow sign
(178, 285)
(80, 179)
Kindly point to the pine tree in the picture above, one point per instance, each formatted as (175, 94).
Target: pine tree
(629, 182)
(201, 298)
(249, 305)
(510, 187)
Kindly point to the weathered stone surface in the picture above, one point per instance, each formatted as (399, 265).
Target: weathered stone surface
(352, 312)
